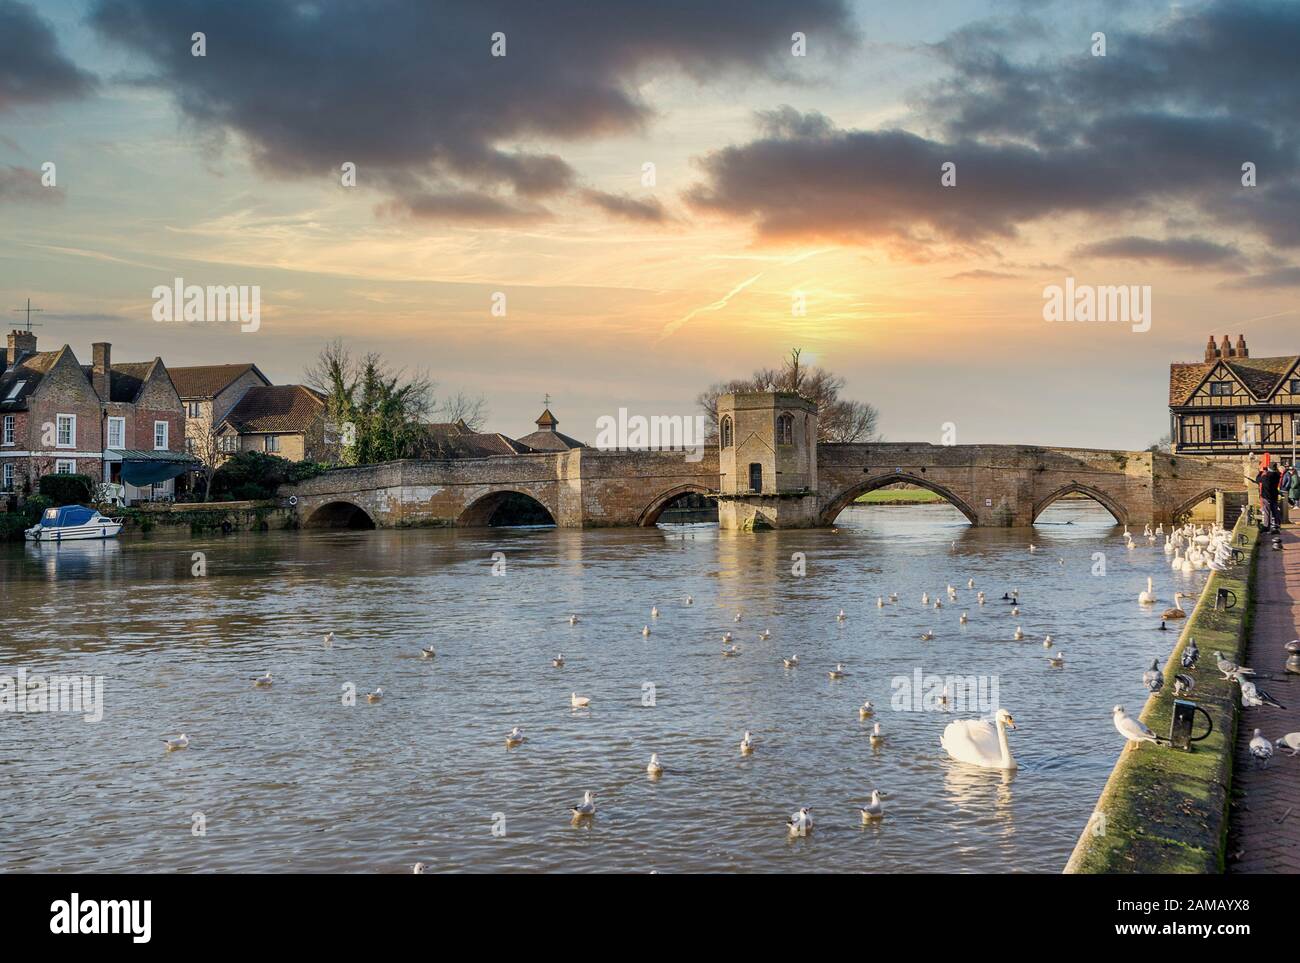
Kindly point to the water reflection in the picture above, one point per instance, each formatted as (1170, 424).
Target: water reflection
(290, 779)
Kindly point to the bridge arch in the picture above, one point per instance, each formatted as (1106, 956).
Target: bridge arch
(1096, 494)
(490, 508)
(649, 516)
(339, 514)
(846, 497)
(1186, 507)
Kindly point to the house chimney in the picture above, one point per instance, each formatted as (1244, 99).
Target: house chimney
(1211, 352)
(1241, 347)
(101, 368)
(1226, 350)
(21, 344)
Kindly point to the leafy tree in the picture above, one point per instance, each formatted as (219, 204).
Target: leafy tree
(256, 475)
(67, 489)
(376, 412)
(838, 419)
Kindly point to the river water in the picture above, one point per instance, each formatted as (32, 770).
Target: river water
(291, 779)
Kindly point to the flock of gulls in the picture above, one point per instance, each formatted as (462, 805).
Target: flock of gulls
(976, 742)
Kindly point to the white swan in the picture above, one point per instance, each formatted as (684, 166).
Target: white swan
(578, 702)
(980, 742)
(1149, 596)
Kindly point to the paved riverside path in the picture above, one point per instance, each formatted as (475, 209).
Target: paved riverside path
(1264, 820)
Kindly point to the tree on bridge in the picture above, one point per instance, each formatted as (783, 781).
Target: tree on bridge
(838, 419)
(380, 414)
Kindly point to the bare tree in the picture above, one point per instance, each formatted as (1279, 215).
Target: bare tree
(205, 445)
(838, 420)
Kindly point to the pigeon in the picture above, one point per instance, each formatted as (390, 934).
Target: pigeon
(1261, 749)
(1152, 678)
(1251, 695)
(1290, 741)
(1131, 729)
(1230, 669)
(1183, 684)
(1190, 655)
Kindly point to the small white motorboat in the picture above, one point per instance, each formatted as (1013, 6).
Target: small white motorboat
(73, 522)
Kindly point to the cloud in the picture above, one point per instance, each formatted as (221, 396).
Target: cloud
(33, 70)
(19, 185)
(1167, 125)
(1178, 251)
(413, 96)
(647, 211)
(1283, 277)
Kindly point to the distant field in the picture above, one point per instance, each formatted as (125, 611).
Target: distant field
(899, 496)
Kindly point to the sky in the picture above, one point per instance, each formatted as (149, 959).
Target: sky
(666, 195)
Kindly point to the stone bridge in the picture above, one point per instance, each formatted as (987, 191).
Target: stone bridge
(992, 485)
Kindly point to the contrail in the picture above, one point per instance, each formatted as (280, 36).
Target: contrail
(672, 326)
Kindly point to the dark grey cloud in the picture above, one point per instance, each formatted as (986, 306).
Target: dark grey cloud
(1177, 251)
(1163, 122)
(646, 210)
(33, 70)
(409, 91)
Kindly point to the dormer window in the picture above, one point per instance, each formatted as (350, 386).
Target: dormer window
(724, 431)
(1220, 389)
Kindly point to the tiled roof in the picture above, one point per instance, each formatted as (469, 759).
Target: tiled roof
(128, 377)
(209, 380)
(454, 440)
(1261, 376)
(549, 440)
(30, 370)
(276, 408)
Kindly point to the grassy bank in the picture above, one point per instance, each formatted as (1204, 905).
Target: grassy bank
(1164, 810)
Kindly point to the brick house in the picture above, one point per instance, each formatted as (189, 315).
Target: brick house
(115, 422)
(208, 392)
(283, 420)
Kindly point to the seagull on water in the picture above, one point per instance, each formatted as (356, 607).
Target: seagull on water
(800, 823)
(587, 808)
(1019, 634)
(578, 702)
(1047, 642)
(970, 583)
(1152, 677)
(573, 620)
(183, 741)
(880, 601)
(1261, 749)
(514, 737)
(841, 617)
(765, 635)
(964, 618)
(262, 681)
(690, 600)
(726, 636)
(874, 809)
(419, 869)
(376, 695)
(747, 743)
(730, 650)
(866, 710)
(654, 611)
(646, 631)
(838, 672)
(877, 737)
(1134, 730)
(1056, 661)
(927, 635)
(428, 652)
(654, 768)
(790, 661)
(737, 616)
(558, 661)
(329, 639)
(1015, 610)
